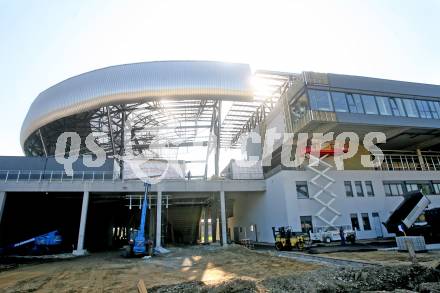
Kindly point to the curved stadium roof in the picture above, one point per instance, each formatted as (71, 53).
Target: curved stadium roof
(186, 92)
(134, 83)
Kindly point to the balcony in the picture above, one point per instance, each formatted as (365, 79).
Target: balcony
(308, 117)
(405, 162)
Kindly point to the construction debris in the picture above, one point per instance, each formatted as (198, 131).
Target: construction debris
(383, 279)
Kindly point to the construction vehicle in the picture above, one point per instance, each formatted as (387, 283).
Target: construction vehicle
(139, 244)
(286, 239)
(401, 221)
(411, 219)
(331, 234)
(42, 244)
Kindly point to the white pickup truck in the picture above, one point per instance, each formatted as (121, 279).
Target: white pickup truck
(329, 234)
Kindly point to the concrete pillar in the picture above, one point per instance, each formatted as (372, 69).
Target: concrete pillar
(82, 225)
(421, 161)
(223, 217)
(159, 220)
(2, 203)
(206, 226)
(214, 221)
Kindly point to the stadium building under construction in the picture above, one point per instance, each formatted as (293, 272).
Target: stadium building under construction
(92, 140)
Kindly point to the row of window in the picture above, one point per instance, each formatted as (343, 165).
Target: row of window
(302, 190)
(358, 188)
(365, 221)
(376, 105)
(397, 188)
(307, 225)
(365, 188)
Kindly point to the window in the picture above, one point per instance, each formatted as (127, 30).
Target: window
(393, 189)
(366, 221)
(320, 100)
(301, 189)
(411, 187)
(355, 103)
(425, 187)
(410, 107)
(384, 105)
(369, 187)
(354, 221)
(339, 102)
(306, 224)
(436, 187)
(424, 110)
(369, 104)
(359, 189)
(397, 107)
(348, 189)
(435, 109)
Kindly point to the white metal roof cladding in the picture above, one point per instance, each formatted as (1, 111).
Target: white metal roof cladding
(138, 82)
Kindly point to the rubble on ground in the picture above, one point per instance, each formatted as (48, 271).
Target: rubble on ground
(369, 279)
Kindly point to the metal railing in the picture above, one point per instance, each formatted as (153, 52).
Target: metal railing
(54, 176)
(398, 162)
(62, 176)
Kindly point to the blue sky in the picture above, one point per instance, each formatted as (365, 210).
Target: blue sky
(43, 42)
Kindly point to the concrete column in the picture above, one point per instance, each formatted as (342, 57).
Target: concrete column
(214, 221)
(159, 220)
(223, 217)
(421, 161)
(82, 225)
(206, 226)
(2, 203)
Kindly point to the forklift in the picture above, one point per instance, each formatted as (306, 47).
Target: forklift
(286, 239)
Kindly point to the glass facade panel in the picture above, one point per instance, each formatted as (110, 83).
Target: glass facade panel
(384, 105)
(437, 107)
(339, 102)
(369, 104)
(397, 107)
(424, 110)
(355, 103)
(434, 107)
(410, 107)
(320, 100)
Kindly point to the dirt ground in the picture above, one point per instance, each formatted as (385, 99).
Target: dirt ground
(388, 257)
(110, 272)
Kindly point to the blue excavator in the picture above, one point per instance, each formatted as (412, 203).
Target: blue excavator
(139, 244)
